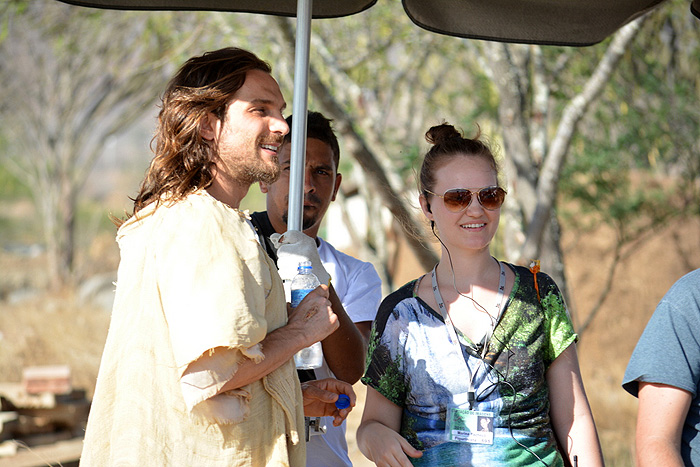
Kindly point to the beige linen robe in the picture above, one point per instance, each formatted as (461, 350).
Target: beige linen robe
(195, 292)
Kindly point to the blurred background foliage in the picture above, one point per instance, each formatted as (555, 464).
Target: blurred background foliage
(77, 80)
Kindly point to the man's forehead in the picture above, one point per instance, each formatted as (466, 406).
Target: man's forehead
(260, 88)
(328, 161)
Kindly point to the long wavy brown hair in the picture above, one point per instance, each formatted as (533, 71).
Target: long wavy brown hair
(184, 160)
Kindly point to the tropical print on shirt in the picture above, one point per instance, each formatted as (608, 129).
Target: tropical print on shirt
(412, 363)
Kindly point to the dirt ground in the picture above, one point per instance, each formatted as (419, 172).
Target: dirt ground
(41, 329)
(605, 347)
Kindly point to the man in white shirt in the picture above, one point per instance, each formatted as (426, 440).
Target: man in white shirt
(355, 290)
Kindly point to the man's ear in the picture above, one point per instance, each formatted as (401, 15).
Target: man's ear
(210, 128)
(264, 187)
(338, 179)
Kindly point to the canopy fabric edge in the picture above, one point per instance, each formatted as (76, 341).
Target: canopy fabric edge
(529, 22)
(277, 8)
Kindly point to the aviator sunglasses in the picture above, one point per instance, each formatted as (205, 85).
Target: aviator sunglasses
(459, 199)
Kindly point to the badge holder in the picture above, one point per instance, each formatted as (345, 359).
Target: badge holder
(469, 426)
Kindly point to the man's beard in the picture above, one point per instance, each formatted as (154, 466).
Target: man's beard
(306, 221)
(259, 171)
(248, 170)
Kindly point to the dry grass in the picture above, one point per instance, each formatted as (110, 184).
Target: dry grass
(38, 327)
(52, 329)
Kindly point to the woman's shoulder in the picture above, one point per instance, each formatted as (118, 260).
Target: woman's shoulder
(399, 295)
(397, 311)
(532, 278)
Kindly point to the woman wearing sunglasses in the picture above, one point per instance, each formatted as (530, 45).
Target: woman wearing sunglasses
(474, 343)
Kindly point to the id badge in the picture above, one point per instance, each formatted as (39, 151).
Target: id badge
(469, 426)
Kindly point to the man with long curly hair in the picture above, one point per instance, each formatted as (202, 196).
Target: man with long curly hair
(197, 367)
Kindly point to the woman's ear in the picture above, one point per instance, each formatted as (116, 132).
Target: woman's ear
(210, 128)
(425, 206)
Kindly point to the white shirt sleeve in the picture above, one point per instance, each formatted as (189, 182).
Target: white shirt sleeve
(356, 282)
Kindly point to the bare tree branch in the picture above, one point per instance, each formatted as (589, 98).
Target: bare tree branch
(549, 176)
(78, 77)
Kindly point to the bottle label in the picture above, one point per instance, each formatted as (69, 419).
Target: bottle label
(298, 295)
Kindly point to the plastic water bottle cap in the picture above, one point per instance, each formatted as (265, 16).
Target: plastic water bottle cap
(343, 402)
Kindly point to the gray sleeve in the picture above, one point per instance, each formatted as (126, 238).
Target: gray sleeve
(668, 352)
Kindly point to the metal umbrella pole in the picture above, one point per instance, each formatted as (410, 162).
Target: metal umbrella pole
(299, 109)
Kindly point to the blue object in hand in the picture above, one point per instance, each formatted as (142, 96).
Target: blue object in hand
(343, 402)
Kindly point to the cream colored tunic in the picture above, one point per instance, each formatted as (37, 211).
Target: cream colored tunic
(195, 292)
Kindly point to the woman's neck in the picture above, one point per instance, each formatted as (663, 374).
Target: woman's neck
(466, 271)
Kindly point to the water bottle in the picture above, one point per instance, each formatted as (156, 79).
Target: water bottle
(304, 282)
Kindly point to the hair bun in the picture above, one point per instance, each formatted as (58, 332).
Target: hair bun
(441, 133)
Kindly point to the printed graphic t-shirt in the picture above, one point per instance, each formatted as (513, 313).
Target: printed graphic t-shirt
(412, 363)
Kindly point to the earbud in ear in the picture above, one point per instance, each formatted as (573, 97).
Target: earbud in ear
(432, 225)
(427, 206)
